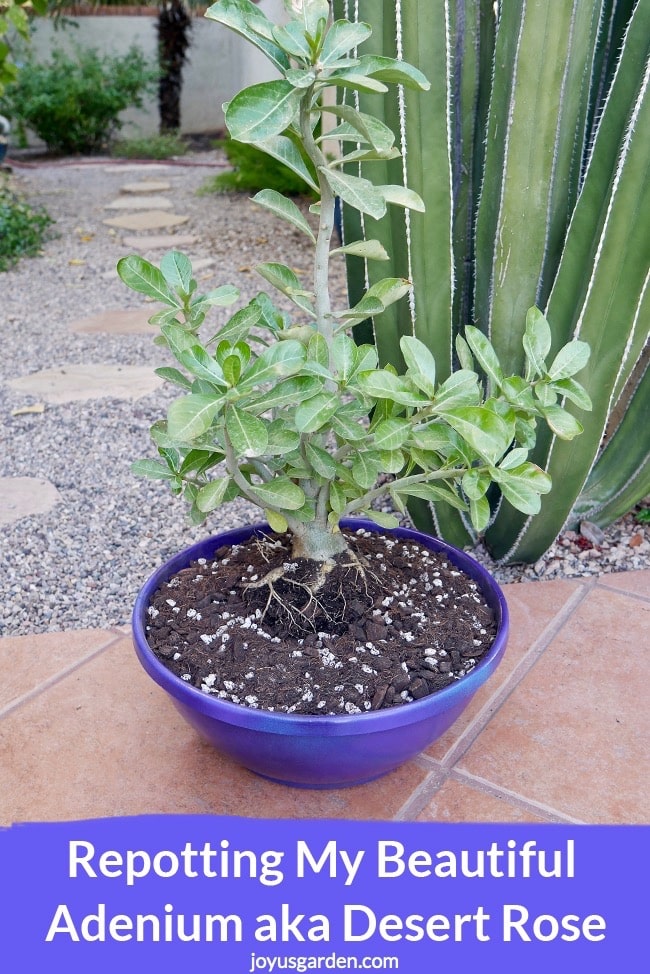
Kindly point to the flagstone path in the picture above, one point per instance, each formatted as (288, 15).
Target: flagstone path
(25, 496)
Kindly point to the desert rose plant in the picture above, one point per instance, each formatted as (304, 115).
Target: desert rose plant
(282, 407)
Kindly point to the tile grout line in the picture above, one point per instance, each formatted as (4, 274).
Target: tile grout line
(422, 794)
(519, 673)
(613, 589)
(527, 804)
(60, 675)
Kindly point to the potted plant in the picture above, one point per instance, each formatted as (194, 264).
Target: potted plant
(329, 644)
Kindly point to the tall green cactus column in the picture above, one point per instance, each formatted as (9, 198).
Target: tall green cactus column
(531, 153)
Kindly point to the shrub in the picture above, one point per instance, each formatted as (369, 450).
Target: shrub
(254, 170)
(73, 102)
(22, 228)
(151, 147)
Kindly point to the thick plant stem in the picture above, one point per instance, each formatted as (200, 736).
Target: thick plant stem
(316, 541)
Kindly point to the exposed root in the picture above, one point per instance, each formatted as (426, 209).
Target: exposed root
(312, 596)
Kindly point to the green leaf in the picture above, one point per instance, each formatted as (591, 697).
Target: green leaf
(277, 523)
(246, 432)
(285, 208)
(475, 484)
(420, 363)
(279, 493)
(523, 491)
(316, 412)
(191, 416)
(464, 354)
(561, 422)
(276, 362)
(389, 290)
(239, 325)
(381, 384)
(537, 340)
(394, 71)
(173, 375)
(338, 497)
(365, 468)
(177, 270)
(402, 196)
(366, 308)
(368, 249)
(356, 191)
(318, 350)
(262, 111)
(388, 521)
(282, 440)
(244, 18)
(460, 389)
(287, 282)
(322, 462)
(371, 130)
(344, 357)
(358, 82)
(211, 495)
(153, 469)
(432, 492)
(485, 354)
(514, 459)
(437, 437)
(573, 391)
(347, 426)
(141, 276)
(479, 513)
(178, 339)
(486, 432)
(282, 148)
(291, 38)
(287, 392)
(222, 296)
(392, 461)
(341, 38)
(569, 360)
(391, 434)
(197, 361)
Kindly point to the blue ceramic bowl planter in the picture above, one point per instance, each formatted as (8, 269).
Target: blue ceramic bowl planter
(321, 752)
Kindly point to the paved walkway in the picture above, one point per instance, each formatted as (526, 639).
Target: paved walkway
(559, 735)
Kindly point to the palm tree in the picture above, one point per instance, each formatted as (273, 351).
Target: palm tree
(173, 28)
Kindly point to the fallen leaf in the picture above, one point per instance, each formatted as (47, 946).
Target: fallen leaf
(635, 540)
(76, 261)
(38, 407)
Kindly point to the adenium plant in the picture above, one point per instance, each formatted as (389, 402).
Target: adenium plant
(282, 407)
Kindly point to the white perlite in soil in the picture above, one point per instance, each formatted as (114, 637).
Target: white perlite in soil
(80, 565)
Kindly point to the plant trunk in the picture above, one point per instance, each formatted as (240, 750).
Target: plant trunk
(316, 542)
(174, 24)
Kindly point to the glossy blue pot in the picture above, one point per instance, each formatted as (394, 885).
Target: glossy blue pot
(321, 752)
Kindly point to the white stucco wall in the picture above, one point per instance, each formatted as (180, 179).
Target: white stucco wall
(219, 64)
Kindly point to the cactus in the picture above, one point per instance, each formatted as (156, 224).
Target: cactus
(532, 156)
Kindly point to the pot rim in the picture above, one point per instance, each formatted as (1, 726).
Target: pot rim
(340, 724)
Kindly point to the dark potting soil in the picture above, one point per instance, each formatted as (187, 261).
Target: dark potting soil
(390, 625)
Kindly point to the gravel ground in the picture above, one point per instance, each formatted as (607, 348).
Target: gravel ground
(81, 564)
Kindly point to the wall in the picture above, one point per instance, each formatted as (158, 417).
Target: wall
(220, 62)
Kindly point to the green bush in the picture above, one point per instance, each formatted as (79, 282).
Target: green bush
(22, 228)
(254, 170)
(161, 146)
(73, 102)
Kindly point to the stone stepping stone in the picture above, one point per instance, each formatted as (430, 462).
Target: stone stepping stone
(147, 220)
(131, 322)
(166, 241)
(140, 203)
(22, 496)
(72, 383)
(147, 186)
(202, 263)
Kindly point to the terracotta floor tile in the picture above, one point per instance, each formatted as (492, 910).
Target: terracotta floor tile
(30, 661)
(532, 606)
(575, 734)
(105, 741)
(457, 801)
(636, 582)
